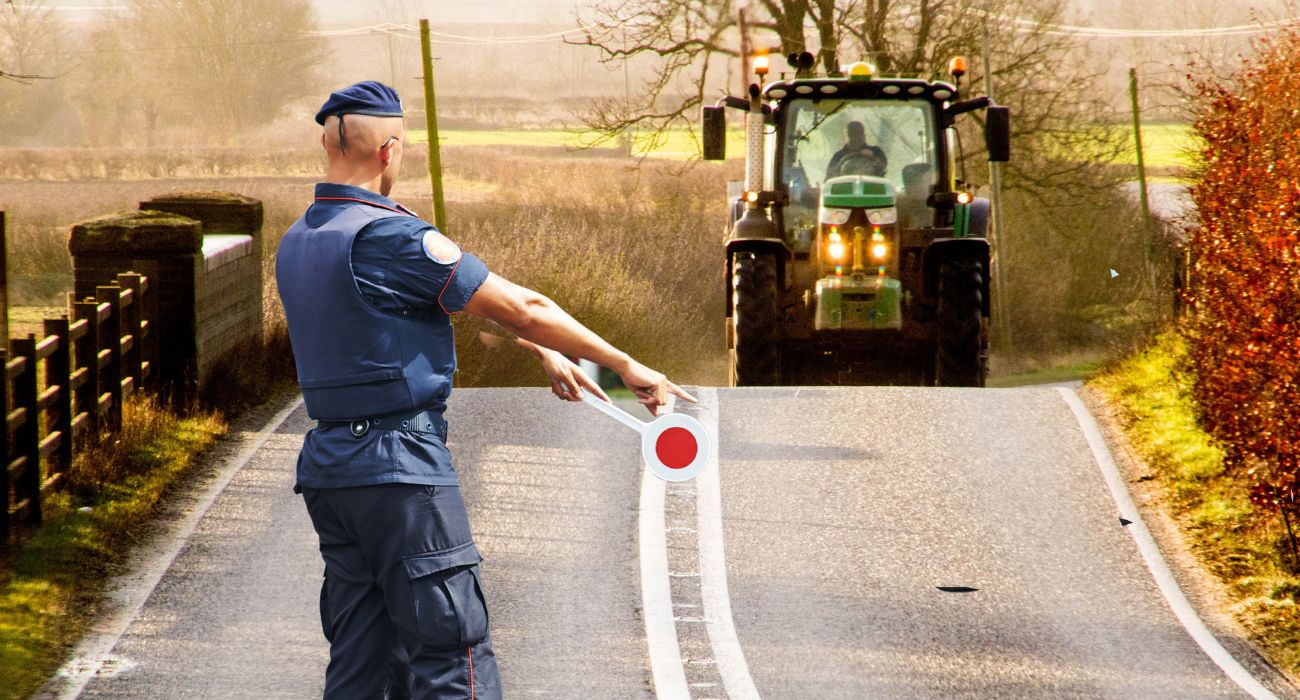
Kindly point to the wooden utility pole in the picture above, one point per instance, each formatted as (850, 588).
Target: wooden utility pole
(431, 123)
(999, 240)
(392, 67)
(1142, 185)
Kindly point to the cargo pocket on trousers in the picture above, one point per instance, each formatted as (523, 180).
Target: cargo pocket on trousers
(326, 621)
(449, 609)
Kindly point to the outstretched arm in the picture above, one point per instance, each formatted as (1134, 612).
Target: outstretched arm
(535, 318)
(567, 379)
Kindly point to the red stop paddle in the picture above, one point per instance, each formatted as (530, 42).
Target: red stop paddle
(674, 446)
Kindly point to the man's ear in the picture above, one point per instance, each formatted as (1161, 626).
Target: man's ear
(386, 152)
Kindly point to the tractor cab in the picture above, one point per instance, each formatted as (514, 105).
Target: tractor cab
(851, 199)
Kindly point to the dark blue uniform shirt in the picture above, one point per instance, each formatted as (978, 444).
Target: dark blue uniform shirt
(393, 271)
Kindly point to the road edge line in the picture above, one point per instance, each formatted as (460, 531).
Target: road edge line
(96, 646)
(1155, 561)
(727, 652)
(656, 594)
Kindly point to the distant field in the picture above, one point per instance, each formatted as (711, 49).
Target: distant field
(678, 143)
(1165, 145)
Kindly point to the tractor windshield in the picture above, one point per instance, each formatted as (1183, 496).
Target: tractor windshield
(826, 138)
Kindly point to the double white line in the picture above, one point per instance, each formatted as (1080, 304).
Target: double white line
(656, 595)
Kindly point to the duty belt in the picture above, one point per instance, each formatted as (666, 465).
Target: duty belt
(421, 422)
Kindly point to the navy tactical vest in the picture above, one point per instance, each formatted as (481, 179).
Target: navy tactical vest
(355, 361)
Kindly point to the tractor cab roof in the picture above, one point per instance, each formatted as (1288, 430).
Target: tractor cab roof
(858, 88)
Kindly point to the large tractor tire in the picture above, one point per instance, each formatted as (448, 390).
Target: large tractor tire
(962, 352)
(755, 359)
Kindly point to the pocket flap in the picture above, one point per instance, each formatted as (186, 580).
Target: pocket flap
(424, 564)
(368, 377)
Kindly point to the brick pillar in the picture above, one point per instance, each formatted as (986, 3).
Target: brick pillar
(228, 300)
(222, 214)
(168, 248)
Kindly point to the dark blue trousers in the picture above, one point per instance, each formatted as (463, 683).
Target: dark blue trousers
(402, 604)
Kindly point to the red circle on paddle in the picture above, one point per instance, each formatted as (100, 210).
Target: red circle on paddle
(676, 448)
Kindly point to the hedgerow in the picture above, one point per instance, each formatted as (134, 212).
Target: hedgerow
(1244, 330)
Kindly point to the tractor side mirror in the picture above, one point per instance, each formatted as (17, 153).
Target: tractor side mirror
(997, 134)
(715, 133)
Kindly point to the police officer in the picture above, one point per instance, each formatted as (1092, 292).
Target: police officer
(368, 290)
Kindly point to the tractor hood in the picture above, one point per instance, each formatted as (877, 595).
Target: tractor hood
(857, 191)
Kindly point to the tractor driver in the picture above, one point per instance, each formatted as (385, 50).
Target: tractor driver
(857, 157)
(368, 291)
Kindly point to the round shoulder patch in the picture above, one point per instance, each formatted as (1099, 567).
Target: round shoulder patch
(439, 248)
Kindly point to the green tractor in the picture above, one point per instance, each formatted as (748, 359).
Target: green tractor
(854, 253)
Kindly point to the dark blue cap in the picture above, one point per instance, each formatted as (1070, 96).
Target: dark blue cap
(369, 97)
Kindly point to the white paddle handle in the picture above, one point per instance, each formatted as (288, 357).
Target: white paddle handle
(614, 412)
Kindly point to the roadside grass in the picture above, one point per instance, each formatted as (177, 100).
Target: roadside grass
(1151, 391)
(52, 583)
(1067, 372)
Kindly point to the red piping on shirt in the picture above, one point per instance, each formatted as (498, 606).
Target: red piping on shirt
(447, 284)
(364, 201)
(471, 673)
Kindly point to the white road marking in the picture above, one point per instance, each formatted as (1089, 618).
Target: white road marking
(92, 657)
(713, 567)
(1155, 561)
(106, 666)
(656, 595)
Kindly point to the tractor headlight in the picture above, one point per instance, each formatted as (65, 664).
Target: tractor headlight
(836, 251)
(834, 217)
(880, 217)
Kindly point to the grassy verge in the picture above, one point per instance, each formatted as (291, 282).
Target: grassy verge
(1068, 372)
(1241, 547)
(50, 586)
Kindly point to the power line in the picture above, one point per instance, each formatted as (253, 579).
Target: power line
(1025, 25)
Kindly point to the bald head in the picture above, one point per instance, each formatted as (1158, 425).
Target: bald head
(366, 150)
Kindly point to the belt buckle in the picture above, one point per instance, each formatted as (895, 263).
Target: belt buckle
(359, 427)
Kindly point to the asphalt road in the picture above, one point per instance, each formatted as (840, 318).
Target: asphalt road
(843, 510)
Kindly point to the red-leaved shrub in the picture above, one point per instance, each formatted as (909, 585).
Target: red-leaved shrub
(1245, 293)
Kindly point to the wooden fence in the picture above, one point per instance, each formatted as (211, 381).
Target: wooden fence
(68, 385)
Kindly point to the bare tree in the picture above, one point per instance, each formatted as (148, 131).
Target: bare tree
(1035, 67)
(229, 64)
(29, 35)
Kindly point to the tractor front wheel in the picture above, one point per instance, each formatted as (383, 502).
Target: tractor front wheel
(962, 352)
(755, 359)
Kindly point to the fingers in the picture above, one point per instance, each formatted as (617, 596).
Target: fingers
(567, 388)
(589, 383)
(681, 393)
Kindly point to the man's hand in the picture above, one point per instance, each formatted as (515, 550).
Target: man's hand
(539, 322)
(651, 387)
(567, 379)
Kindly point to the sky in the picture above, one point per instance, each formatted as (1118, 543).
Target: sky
(346, 13)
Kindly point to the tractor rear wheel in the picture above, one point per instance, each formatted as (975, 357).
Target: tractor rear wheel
(962, 348)
(755, 360)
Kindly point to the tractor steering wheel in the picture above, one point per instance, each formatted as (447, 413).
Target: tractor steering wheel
(862, 164)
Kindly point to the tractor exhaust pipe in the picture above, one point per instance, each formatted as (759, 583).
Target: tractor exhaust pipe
(754, 144)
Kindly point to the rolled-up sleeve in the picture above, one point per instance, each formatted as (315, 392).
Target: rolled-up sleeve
(395, 272)
(466, 276)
